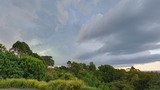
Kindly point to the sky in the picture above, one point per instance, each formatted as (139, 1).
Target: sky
(121, 33)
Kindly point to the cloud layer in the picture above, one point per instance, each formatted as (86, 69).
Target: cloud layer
(129, 28)
(104, 31)
(50, 27)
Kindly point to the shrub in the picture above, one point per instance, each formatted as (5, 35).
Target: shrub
(41, 85)
(33, 67)
(65, 85)
(9, 65)
(120, 85)
(22, 83)
(89, 78)
(154, 84)
(103, 86)
(90, 88)
(51, 74)
(68, 76)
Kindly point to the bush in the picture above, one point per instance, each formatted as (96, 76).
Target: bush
(33, 67)
(120, 85)
(22, 83)
(9, 65)
(65, 85)
(89, 78)
(90, 88)
(51, 74)
(68, 76)
(103, 86)
(25, 67)
(41, 85)
(154, 84)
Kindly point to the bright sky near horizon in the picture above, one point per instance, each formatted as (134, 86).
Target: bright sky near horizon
(117, 32)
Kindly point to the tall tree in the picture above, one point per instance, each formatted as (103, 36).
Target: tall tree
(48, 60)
(92, 66)
(107, 72)
(21, 48)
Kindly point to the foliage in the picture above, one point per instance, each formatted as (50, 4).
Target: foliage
(48, 60)
(27, 67)
(68, 76)
(52, 85)
(154, 84)
(108, 73)
(89, 78)
(51, 74)
(23, 83)
(66, 85)
(9, 65)
(92, 66)
(32, 67)
(2, 48)
(74, 76)
(91, 88)
(21, 48)
(120, 85)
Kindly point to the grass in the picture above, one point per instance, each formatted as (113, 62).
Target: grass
(22, 83)
(31, 84)
(18, 89)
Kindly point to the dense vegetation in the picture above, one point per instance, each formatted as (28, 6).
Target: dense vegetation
(21, 68)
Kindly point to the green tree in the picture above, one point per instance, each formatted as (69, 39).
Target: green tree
(2, 48)
(134, 78)
(120, 85)
(75, 68)
(107, 73)
(51, 74)
(9, 66)
(69, 64)
(48, 60)
(89, 77)
(21, 48)
(92, 66)
(32, 67)
(68, 76)
(154, 84)
(133, 69)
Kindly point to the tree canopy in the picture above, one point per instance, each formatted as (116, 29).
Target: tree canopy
(21, 48)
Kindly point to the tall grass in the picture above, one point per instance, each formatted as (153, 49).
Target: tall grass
(22, 83)
(41, 85)
(65, 85)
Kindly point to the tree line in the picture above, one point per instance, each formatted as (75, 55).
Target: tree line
(21, 62)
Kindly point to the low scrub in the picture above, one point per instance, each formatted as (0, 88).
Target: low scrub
(22, 83)
(65, 85)
(41, 85)
(89, 88)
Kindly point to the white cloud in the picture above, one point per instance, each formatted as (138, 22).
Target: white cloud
(44, 52)
(35, 42)
(153, 66)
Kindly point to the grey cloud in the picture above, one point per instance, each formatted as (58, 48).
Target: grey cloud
(127, 59)
(128, 28)
(25, 20)
(133, 59)
(127, 15)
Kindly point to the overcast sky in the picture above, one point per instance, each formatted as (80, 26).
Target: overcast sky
(117, 32)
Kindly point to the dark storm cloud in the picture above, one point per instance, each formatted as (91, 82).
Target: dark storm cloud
(132, 26)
